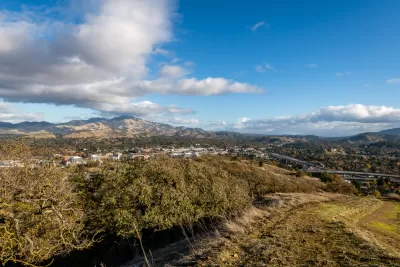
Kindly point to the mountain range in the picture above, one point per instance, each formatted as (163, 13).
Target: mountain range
(126, 126)
(100, 128)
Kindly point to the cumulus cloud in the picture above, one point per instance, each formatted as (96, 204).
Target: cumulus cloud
(393, 81)
(141, 109)
(9, 114)
(101, 62)
(213, 86)
(173, 71)
(330, 121)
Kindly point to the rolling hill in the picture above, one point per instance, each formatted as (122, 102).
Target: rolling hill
(394, 131)
(126, 126)
(101, 128)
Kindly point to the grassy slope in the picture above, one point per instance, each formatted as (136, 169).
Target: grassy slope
(308, 230)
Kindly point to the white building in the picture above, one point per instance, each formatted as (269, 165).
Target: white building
(95, 158)
(74, 160)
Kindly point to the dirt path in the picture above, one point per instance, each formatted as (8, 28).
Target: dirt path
(383, 225)
(303, 230)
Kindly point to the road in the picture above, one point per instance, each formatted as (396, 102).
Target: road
(353, 174)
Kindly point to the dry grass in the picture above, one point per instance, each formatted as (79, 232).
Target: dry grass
(243, 222)
(297, 230)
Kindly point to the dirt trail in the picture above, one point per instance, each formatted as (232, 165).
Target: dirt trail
(304, 230)
(383, 225)
(301, 230)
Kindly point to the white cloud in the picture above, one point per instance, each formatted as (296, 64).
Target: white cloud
(175, 60)
(183, 121)
(160, 51)
(393, 81)
(189, 64)
(311, 66)
(263, 68)
(4, 106)
(257, 25)
(214, 86)
(328, 121)
(260, 68)
(173, 71)
(269, 67)
(339, 74)
(217, 124)
(9, 114)
(141, 109)
(101, 62)
(241, 123)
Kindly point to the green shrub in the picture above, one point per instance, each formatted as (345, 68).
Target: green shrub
(377, 194)
(40, 215)
(338, 185)
(159, 193)
(46, 212)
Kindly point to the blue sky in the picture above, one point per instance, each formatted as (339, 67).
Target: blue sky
(292, 67)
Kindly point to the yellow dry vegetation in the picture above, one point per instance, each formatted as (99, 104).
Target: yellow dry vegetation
(301, 230)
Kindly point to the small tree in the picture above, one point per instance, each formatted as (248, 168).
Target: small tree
(381, 182)
(326, 177)
(356, 184)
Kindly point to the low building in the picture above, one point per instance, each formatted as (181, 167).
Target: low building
(95, 158)
(75, 160)
(11, 164)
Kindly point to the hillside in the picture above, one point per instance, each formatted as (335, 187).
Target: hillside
(303, 230)
(133, 201)
(394, 131)
(101, 128)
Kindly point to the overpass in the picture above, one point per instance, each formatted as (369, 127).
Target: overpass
(348, 175)
(297, 161)
(368, 176)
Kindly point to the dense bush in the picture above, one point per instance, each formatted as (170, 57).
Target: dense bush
(163, 192)
(159, 194)
(40, 215)
(337, 184)
(46, 211)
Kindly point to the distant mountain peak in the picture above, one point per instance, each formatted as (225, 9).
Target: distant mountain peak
(122, 126)
(394, 131)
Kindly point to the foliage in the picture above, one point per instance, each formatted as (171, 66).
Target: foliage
(377, 194)
(40, 215)
(357, 184)
(163, 192)
(49, 211)
(336, 184)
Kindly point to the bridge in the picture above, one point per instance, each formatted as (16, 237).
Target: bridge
(348, 175)
(287, 159)
(368, 176)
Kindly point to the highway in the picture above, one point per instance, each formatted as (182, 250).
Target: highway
(359, 173)
(345, 174)
(301, 162)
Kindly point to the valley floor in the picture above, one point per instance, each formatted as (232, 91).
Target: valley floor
(303, 230)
